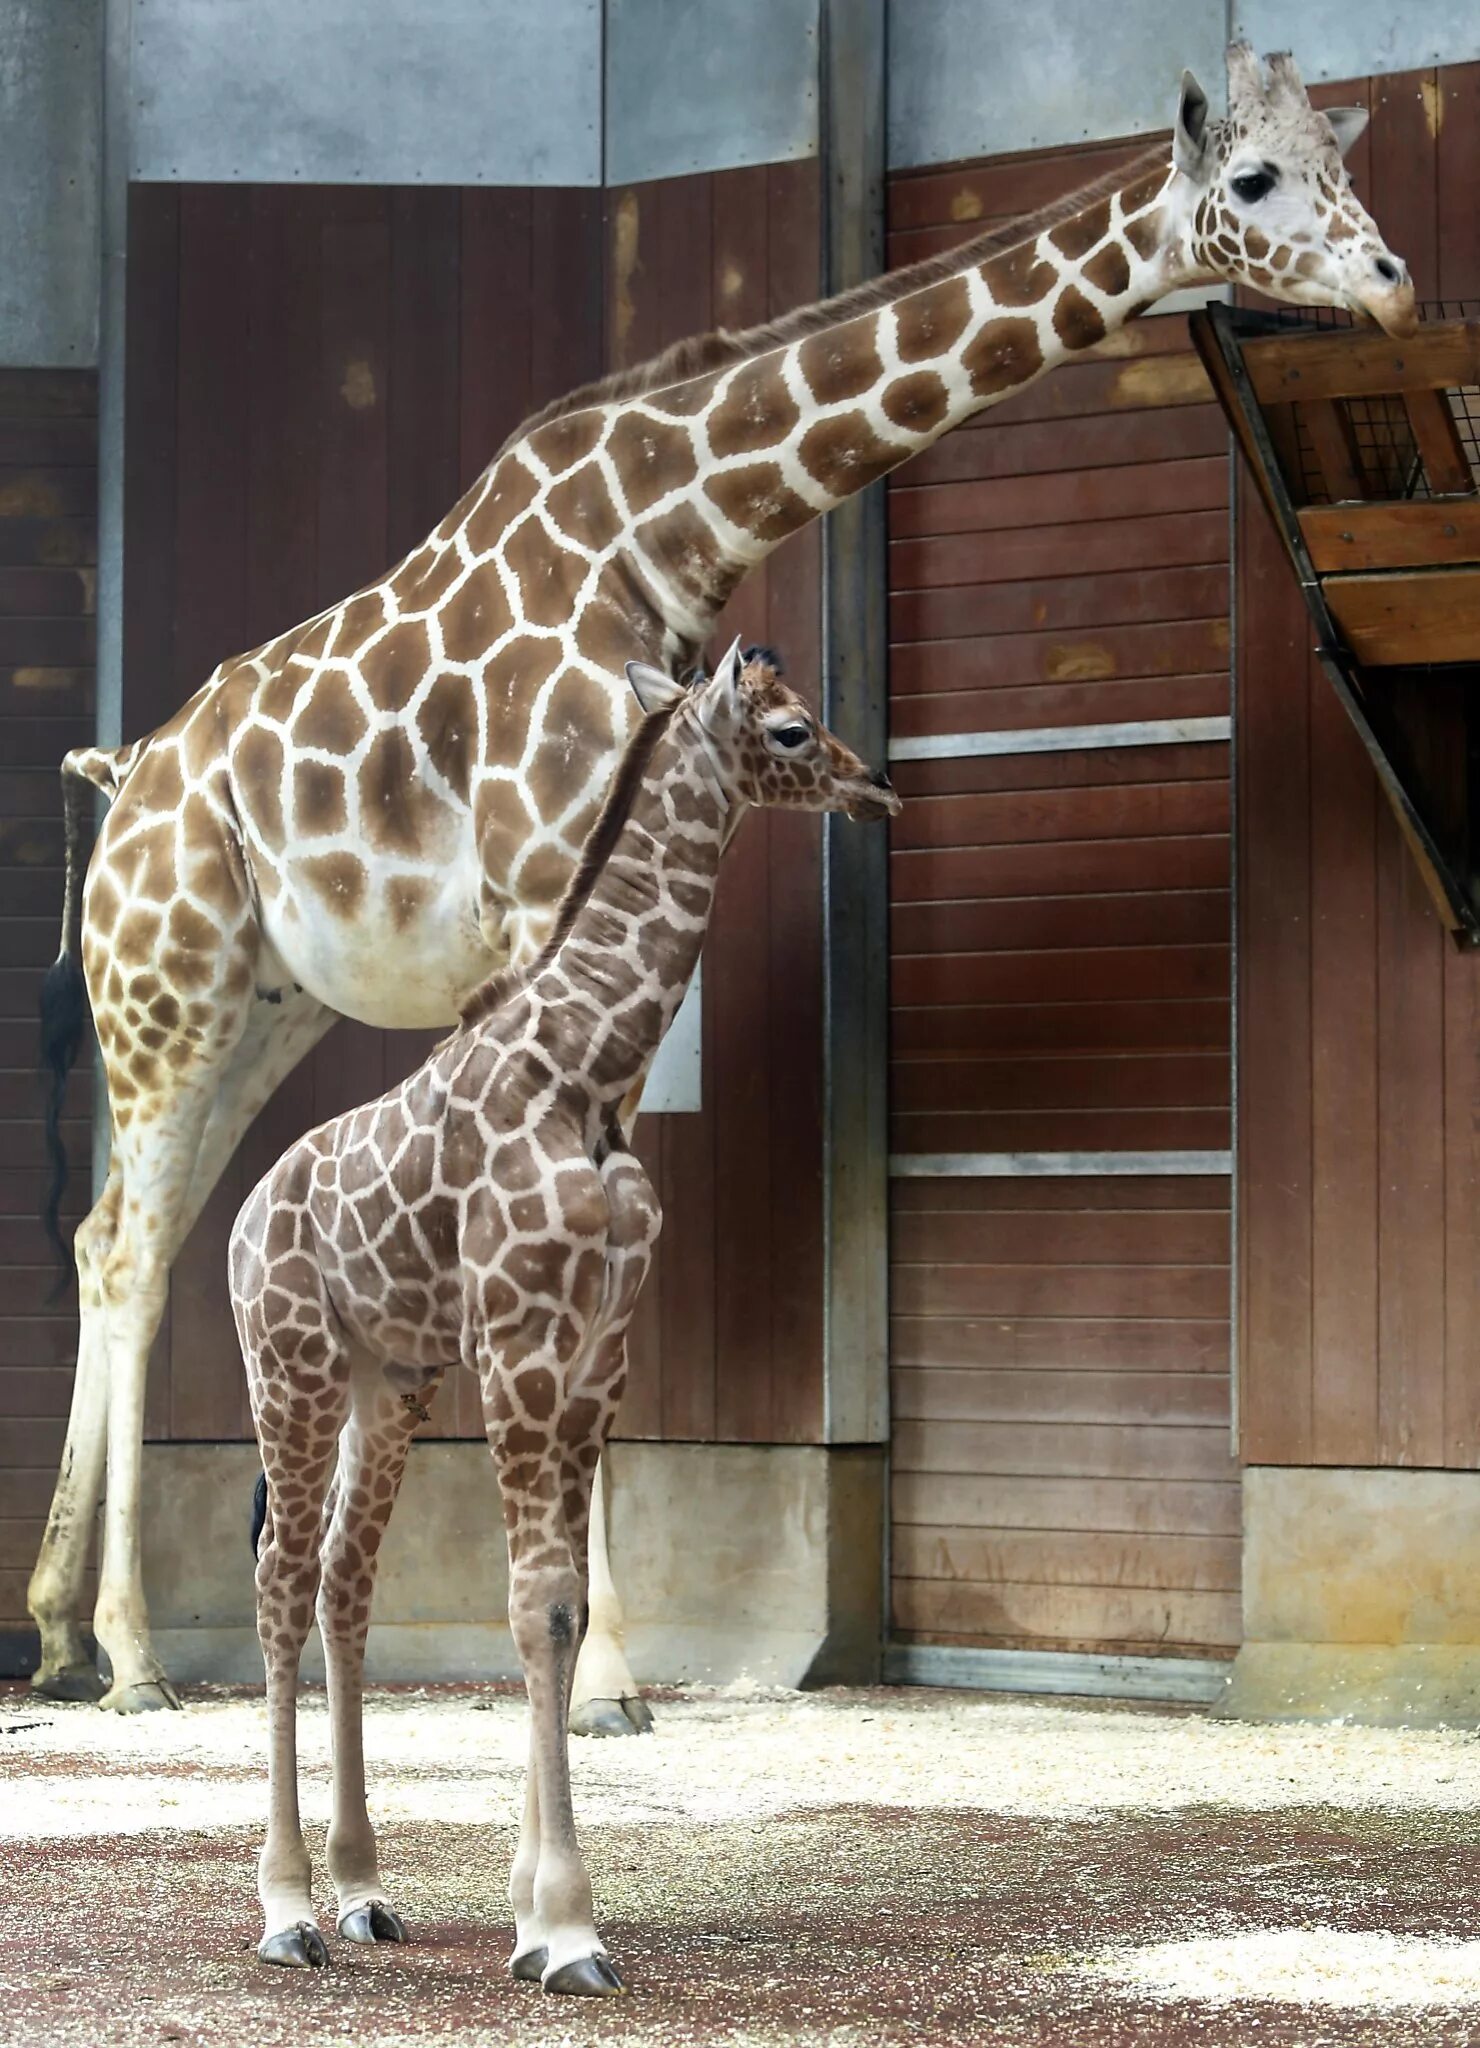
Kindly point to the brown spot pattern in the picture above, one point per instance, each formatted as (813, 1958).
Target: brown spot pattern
(929, 322)
(841, 362)
(756, 412)
(1005, 353)
(1110, 270)
(1077, 322)
(917, 403)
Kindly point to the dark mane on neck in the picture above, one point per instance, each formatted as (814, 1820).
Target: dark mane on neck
(600, 841)
(702, 353)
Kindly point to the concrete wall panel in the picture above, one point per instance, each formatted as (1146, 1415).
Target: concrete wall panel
(709, 87)
(445, 92)
(722, 1553)
(975, 78)
(1361, 1597)
(50, 136)
(1351, 38)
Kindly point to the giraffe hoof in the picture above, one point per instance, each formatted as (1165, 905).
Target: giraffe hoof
(147, 1696)
(530, 1967)
(610, 1717)
(300, 1947)
(70, 1682)
(587, 1977)
(375, 1922)
(639, 1713)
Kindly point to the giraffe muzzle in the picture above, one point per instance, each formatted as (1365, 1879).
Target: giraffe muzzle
(875, 799)
(1387, 296)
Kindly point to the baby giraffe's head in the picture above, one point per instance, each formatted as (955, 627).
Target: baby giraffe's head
(765, 743)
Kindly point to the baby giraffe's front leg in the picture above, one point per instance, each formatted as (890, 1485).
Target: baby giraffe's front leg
(555, 1936)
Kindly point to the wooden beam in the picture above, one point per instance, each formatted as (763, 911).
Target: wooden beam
(1415, 533)
(1336, 448)
(1356, 362)
(1401, 620)
(1445, 463)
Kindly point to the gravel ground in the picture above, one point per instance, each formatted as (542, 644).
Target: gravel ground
(861, 1867)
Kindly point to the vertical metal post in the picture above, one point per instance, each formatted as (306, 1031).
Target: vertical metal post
(117, 42)
(855, 863)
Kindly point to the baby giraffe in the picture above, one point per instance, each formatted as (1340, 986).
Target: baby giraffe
(489, 1212)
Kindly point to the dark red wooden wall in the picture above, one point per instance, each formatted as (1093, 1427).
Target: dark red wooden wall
(48, 552)
(1060, 933)
(313, 377)
(1359, 1037)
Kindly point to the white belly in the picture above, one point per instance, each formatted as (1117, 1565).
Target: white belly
(376, 963)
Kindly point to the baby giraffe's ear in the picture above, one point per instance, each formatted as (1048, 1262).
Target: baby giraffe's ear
(653, 688)
(720, 708)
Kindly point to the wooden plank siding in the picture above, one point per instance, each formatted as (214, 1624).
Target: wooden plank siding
(1060, 943)
(1359, 1181)
(48, 553)
(727, 1342)
(276, 463)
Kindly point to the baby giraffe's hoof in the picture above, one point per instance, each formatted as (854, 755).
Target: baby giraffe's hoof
(587, 1977)
(375, 1922)
(530, 1967)
(300, 1947)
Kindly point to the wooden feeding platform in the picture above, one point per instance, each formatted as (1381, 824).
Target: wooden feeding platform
(1367, 453)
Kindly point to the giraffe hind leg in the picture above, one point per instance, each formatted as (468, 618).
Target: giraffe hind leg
(604, 1698)
(66, 1670)
(268, 1043)
(170, 1169)
(604, 1695)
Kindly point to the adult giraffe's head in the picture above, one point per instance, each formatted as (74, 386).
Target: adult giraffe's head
(1262, 198)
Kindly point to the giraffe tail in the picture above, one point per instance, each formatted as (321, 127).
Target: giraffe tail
(259, 1512)
(64, 992)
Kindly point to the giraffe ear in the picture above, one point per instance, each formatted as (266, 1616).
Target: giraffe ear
(653, 688)
(720, 706)
(1190, 131)
(1348, 123)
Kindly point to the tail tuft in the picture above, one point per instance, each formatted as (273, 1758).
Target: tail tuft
(259, 1510)
(63, 1022)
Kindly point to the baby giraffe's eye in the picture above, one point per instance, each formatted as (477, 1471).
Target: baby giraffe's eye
(1252, 185)
(790, 735)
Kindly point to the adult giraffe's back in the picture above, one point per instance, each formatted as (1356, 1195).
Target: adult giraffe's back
(370, 813)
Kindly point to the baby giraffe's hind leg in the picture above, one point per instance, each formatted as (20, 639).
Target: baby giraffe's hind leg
(555, 1934)
(372, 1462)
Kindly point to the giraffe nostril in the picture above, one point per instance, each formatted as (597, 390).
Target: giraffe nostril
(1388, 271)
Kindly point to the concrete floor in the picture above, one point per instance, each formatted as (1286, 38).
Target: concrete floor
(882, 1867)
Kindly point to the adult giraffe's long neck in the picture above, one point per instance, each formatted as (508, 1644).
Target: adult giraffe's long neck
(777, 440)
(618, 974)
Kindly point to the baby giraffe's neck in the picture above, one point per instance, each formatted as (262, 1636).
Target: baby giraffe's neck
(613, 987)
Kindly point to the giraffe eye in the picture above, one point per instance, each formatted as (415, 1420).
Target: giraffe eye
(1251, 186)
(791, 735)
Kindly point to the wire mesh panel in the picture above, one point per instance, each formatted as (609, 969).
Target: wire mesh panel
(1377, 427)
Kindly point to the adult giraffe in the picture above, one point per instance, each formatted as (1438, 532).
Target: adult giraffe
(368, 815)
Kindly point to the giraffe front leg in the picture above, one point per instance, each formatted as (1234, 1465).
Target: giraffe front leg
(299, 1402)
(372, 1463)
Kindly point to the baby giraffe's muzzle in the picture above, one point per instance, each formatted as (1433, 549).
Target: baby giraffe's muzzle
(876, 798)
